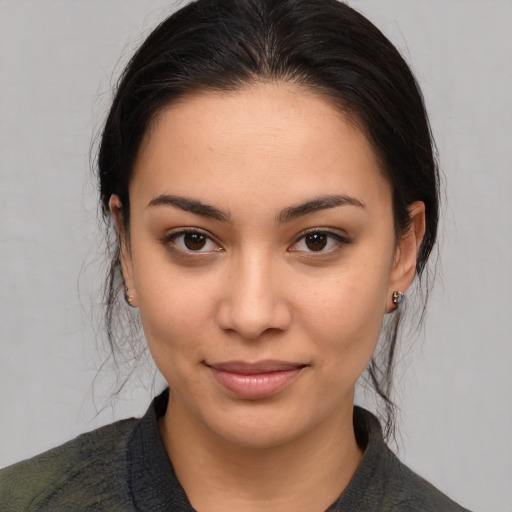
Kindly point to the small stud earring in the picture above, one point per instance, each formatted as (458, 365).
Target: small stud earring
(128, 297)
(397, 297)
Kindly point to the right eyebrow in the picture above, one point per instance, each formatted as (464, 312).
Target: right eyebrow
(190, 205)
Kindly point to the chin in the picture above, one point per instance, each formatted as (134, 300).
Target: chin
(259, 436)
(261, 424)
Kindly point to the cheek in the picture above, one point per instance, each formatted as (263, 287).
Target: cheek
(176, 306)
(173, 323)
(173, 314)
(344, 318)
(346, 321)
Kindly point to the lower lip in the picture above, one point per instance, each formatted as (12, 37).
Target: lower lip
(254, 386)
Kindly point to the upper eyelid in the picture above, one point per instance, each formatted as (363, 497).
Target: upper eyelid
(169, 236)
(339, 238)
(184, 230)
(334, 232)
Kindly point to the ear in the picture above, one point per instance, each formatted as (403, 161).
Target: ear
(116, 209)
(406, 254)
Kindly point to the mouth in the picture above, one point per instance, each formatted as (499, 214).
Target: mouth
(252, 381)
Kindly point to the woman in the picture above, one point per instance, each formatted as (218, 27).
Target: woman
(268, 169)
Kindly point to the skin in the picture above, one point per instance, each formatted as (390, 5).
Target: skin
(256, 291)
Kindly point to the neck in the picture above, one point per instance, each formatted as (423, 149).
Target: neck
(306, 474)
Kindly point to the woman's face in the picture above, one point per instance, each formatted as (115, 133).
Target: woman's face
(262, 256)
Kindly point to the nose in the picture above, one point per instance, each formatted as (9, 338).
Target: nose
(253, 302)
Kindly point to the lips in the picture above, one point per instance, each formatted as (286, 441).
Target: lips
(252, 381)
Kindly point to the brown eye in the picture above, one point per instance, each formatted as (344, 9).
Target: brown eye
(194, 241)
(190, 241)
(316, 241)
(319, 241)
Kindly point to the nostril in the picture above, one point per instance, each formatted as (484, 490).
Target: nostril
(254, 320)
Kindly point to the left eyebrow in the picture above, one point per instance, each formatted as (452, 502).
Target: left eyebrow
(317, 204)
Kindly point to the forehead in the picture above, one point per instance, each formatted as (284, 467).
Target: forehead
(260, 141)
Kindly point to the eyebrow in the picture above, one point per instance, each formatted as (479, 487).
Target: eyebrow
(320, 203)
(286, 215)
(190, 205)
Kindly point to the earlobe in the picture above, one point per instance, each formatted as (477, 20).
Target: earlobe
(116, 210)
(406, 255)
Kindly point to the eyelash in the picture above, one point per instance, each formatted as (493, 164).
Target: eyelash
(338, 239)
(170, 241)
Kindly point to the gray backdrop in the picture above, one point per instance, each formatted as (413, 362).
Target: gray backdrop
(56, 66)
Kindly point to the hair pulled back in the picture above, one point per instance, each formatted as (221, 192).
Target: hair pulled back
(322, 45)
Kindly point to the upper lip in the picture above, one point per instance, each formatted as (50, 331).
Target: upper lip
(246, 368)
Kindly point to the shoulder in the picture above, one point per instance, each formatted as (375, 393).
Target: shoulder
(383, 483)
(407, 491)
(74, 472)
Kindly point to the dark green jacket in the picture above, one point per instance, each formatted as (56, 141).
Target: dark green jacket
(124, 467)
